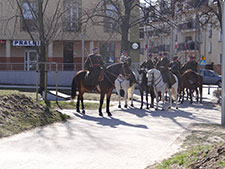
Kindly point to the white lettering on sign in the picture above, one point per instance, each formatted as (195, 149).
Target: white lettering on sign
(26, 43)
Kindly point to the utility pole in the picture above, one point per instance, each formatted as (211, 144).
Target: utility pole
(223, 69)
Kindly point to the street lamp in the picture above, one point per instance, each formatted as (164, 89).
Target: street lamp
(223, 68)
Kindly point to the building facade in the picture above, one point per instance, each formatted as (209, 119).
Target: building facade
(18, 49)
(178, 32)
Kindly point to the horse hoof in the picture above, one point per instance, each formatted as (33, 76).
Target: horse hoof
(83, 111)
(147, 107)
(109, 114)
(156, 109)
(151, 106)
(125, 106)
(132, 105)
(78, 111)
(169, 107)
(163, 109)
(100, 114)
(176, 107)
(140, 107)
(119, 106)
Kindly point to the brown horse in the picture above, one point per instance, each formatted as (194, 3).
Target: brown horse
(192, 81)
(106, 85)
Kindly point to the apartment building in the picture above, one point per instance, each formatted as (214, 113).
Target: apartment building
(18, 49)
(175, 30)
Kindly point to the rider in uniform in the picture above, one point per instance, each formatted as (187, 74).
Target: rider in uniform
(192, 64)
(94, 64)
(126, 59)
(175, 67)
(148, 64)
(163, 66)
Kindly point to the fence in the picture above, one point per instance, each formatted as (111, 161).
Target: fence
(8, 66)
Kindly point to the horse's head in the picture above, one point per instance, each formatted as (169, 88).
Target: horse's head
(141, 75)
(152, 75)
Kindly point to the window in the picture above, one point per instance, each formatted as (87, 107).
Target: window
(210, 47)
(72, 16)
(210, 31)
(111, 19)
(29, 11)
(220, 58)
(219, 36)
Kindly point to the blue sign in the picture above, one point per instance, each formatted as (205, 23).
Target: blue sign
(111, 59)
(202, 62)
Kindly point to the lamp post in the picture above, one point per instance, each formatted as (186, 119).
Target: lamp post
(223, 68)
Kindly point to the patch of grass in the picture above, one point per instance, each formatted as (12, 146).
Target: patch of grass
(71, 105)
(19, 113)
(221, 163)
(184, 158)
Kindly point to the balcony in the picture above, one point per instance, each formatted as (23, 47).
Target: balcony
(187, 27)
(187, 46)
(160, 48)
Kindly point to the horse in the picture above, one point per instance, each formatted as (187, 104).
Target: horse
(143, 87)
(155, 79)
(106, 85)
(125, 88)
(192, 81)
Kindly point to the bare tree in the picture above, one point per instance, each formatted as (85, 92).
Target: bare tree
(43, 20)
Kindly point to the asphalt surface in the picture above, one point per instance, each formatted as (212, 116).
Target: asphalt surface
(130, 139)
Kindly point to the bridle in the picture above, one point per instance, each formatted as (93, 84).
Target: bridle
(154, 82)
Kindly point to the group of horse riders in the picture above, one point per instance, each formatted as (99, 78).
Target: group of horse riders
(168, 68)
(95, 64)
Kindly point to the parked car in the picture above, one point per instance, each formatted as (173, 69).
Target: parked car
(210, 77)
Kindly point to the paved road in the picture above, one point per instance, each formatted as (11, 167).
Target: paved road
(131, 139)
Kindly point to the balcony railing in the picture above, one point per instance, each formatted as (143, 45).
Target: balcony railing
(187, 46)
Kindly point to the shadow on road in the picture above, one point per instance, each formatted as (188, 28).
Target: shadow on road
(111, 122)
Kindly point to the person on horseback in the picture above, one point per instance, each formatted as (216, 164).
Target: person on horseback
(191, 64)
(175, 67)
(148, 64)
(94, 64)
(125, 58)
(163, 67)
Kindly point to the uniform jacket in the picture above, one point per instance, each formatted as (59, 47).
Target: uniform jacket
(148, 64)
(163, 64)
(94, 61)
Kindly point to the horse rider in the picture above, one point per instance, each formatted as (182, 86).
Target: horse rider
(163, 67)
(94, 64)
(147, 64)
(191, 64)
(126, 59)
(175, 67)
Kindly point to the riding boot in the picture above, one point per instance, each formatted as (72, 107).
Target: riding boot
(169, 85)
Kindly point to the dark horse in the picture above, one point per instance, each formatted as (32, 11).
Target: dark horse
(143, 87)
(106, 85)
(192, 81)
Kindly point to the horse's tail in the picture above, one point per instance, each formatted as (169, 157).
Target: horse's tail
(73, 88)
(130, 91)
(122, 92)
(174, 93)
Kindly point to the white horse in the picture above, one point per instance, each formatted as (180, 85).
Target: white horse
(155, 79)
(124, 89)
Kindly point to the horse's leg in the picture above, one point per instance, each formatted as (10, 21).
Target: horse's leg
(119, 97)
(82, 103)
(147, 98)
(197, 98)
(163, 99)
(157, 98)
(152, 98)
(109, 93)
(125, 96)
(200, 90)
(170, 97)
(132, 95)
(141, 92)
(78, 103)
(190, 94)
(101, 102)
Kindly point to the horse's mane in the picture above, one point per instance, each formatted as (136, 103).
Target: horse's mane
(112, 65)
